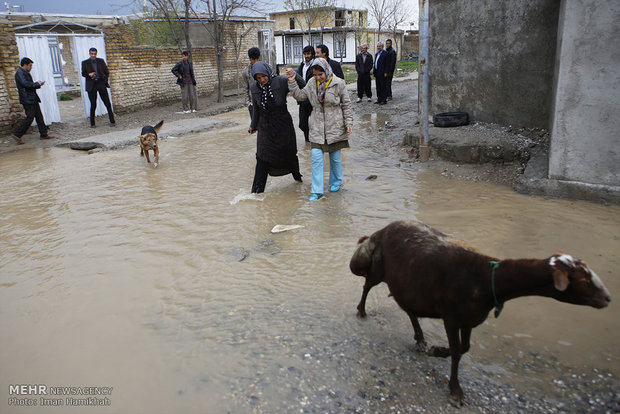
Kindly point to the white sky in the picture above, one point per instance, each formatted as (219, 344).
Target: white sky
(119, 7)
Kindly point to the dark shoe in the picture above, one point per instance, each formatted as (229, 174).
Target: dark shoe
(377, 102)
(93, 126)
(382, 103)
(47, 137)
(18, 139)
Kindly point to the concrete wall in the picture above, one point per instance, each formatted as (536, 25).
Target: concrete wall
(493, 59)
(585, 135)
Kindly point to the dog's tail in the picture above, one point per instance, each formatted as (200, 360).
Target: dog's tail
(158, 126)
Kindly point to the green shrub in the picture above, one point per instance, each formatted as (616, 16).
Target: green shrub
(65, 98)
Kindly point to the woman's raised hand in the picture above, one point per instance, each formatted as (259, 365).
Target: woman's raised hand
(290, 74)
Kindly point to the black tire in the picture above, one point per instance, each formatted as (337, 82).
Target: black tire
(450, 119)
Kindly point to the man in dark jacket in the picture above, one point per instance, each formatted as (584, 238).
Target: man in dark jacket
(96, 73)
(30, 101)
(391, 68)
(184, 71)
(322, 51)
(381, 73)
(305, 107)
(363, 66)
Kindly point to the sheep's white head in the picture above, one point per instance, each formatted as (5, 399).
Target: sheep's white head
(579, 284)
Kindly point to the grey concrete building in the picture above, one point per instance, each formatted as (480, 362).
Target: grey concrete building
(552, 64)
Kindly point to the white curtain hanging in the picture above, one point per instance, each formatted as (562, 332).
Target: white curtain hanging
(36, 47)
(80, 47)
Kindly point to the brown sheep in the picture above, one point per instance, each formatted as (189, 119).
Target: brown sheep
(431, 277)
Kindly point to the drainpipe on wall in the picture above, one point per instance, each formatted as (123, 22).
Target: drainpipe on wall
(423, 81)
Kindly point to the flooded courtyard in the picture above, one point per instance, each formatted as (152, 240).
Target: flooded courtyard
(167, 286)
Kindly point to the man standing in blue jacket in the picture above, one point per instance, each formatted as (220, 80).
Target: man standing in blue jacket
(30, 101)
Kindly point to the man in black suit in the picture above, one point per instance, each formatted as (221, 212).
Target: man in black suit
(96, 73)
(305, 107)
(322, 51)
(391, 68)
(29, 99)
(363, 66)
(381, 73)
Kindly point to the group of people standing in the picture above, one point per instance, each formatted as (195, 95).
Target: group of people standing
(325, 117)
(96, 74)
(382, 67)
(94, 70)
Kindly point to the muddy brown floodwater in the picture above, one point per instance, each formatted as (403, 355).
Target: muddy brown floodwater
(167, 286)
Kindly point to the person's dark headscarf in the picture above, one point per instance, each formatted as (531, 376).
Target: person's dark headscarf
(266, 93)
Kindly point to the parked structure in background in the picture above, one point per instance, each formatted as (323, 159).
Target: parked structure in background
(341, 29)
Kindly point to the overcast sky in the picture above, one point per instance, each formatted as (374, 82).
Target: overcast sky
(120, 7)
(95, 6)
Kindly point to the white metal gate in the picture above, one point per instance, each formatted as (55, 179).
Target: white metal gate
(36, 45)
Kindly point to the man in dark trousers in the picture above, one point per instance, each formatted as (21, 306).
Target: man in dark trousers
(363, 66)
(381, 73)
(184, 71)
(305, 107)
(29, 99)
(322, 51)
(96, 73)
(391, 68)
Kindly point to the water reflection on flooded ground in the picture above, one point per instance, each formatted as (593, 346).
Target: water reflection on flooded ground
(167, 284)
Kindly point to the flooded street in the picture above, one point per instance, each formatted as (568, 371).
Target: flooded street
(167, 285)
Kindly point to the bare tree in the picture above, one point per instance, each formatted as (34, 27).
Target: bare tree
(382, 11)
(310, 13)
(170, 10)
(237, 38)
(400, 15)
(220, 12)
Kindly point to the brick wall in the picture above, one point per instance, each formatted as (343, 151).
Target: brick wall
(140, 75)
(10, 109)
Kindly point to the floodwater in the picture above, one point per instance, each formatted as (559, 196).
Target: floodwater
(167, 285)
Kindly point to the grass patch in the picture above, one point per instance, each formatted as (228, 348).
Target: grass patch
(65, 98)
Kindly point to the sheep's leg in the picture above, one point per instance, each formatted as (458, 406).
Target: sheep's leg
(361, 307)
(456, 393)
(420, 343)
(465, 336)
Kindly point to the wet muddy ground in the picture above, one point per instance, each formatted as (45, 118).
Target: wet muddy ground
(167, 284)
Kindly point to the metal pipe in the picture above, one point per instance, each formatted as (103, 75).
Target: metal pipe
(423, 85)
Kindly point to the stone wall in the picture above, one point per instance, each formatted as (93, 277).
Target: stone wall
(10, 109)
(140, 75)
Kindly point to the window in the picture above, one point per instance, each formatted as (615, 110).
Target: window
(298, 46)
(316, 39)
(340, 18)
(291, 23)
(340, 45)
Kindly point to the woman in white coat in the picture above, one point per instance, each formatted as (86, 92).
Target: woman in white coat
(331, 122)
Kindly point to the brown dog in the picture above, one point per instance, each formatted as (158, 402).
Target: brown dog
(148, 141)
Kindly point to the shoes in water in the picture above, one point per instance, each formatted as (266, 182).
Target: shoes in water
(315, 197)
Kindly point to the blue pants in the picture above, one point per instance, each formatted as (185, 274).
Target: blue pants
(335, 170)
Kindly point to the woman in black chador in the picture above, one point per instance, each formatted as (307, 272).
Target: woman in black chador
(276, 144)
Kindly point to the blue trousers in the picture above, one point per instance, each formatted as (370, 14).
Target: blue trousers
(335, 170)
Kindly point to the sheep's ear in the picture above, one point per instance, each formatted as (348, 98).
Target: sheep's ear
(560, 279)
